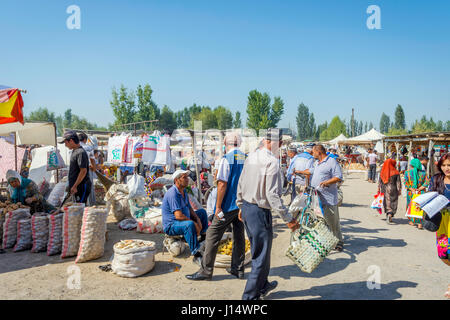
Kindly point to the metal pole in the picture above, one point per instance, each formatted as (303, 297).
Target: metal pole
(15, 149)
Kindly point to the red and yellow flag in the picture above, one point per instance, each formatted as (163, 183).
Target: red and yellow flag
(11, 105)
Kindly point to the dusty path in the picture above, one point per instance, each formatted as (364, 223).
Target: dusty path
(406, 258)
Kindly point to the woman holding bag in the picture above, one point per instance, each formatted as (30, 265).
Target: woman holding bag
(416, 182)
(440, 223)
(391, 185)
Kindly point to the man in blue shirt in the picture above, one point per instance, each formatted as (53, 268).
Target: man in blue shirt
(179, 218)
(304, 161)
(226, 213)
(326, 173)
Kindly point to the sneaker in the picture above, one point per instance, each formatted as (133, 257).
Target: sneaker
(269, 287)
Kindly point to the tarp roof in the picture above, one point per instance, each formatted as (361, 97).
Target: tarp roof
(42, 133)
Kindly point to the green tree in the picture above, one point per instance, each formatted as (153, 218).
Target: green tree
(396, 132)
(123, 106)
(400, 122)
(440, 126)
(185, 116)
(67, 121)
(321, 128)
(207, 117)
(146, 108)
(237, 124)
(360, 128)
(167, 120)
(370, 126)
(303, 128)
(224, 118)
(447, 126)
(385, 123)
(336, 127)
(366, 127)
(41, 114)
(260, 113)
(276, 112)
(311, 126)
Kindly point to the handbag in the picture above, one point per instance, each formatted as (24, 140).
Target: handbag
(312, 242)
(377, 203)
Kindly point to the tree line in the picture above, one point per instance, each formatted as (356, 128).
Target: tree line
(307, 129)
(263, 112)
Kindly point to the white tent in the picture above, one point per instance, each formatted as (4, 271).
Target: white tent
(339, 138)
(43, 133)
(372, 135)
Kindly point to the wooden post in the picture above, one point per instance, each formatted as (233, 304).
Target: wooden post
(430, 146)
(397, 158)
(197, 173)
(409, 154)
(56, 147)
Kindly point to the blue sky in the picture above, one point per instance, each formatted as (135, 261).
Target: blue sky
(214, 52)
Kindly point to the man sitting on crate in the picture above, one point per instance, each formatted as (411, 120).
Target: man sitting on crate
(226, 213)
(179, 218)
(326, 173)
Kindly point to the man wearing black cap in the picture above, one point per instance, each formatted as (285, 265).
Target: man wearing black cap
(258, 195)
(79, 183)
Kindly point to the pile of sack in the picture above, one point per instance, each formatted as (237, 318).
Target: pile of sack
(78, 231)
(117, 202)
(147, 212)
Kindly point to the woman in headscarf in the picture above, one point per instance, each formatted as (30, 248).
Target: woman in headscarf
(416, 182)
(391, 185)
(440, 222)
(25, 191)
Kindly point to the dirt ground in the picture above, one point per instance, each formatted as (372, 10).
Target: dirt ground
(403, 258)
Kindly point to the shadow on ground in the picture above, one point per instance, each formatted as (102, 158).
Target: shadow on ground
(354, 245)
(348, 291)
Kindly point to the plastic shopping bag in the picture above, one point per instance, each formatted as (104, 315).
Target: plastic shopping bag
(377, 203)
(136, 186)
(317, 205)
(414, 210)
(54, 160)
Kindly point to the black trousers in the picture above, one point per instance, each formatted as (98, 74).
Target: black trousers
(84, 190)
(214, 235)
(258, 223)
(372, 172)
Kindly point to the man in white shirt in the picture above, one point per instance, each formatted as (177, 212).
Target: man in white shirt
(372, 165)
(226, 213)
(258, 195)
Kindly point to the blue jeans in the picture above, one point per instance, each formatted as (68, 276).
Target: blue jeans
(186, 228)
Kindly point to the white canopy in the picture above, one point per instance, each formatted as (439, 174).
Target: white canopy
(341, 137)
(372, 135)
(42, 133)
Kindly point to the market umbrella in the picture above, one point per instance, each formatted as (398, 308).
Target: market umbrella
(11, 105)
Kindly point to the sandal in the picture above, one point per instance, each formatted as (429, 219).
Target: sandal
(420, 227)
(339, 247)
(411, 223)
